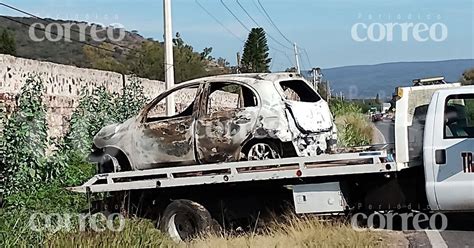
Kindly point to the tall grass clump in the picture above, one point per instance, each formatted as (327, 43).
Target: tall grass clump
(295, 232)
(354, 128)
(136, 233)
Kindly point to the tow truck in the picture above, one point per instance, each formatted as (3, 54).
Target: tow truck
(429, 168)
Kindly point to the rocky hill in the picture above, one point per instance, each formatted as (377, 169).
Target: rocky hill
(62, 51)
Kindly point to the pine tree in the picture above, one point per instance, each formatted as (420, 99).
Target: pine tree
(255, 57)
(7, 43)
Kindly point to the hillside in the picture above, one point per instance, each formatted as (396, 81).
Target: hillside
(133, 54)
(360, 81)
(63, 52)
(368, 80)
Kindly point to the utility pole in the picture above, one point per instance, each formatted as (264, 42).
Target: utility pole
(328, 92)
(296, 59)
(169, 65)
(238, 63)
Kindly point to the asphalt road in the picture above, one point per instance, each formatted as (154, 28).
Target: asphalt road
(459, 233)
(460, 229)
(385, 132)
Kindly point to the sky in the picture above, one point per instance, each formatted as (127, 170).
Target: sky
(434, 29)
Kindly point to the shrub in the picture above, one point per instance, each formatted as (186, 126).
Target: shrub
(354, 129)
(98, 108)
(25, 140)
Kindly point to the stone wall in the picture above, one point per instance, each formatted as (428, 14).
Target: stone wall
(62, 84)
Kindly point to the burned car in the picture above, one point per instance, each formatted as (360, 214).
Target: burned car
(220, 119)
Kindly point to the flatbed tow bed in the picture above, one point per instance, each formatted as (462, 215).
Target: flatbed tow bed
(430, 169)
(233, 172)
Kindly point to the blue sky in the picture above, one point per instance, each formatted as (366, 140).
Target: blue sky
(322, 27)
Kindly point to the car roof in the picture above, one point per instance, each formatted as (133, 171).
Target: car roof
(252, 76)
(243, 77)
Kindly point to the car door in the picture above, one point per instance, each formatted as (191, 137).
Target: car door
(227, 117)
(453, 147)
(163, 140)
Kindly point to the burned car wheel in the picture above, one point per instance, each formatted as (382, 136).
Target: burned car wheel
(185, 219)
(262, 151)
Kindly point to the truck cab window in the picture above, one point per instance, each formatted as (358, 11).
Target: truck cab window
(459, 117)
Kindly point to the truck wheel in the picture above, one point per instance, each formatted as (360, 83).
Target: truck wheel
(185, 219)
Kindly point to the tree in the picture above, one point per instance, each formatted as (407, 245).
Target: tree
(148, 60)
(104, 58)
(377, 99)
(188, 64)
(7, 43)
(255, 57)
(206, 52)
(468, 77)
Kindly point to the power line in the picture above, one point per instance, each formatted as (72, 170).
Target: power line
(78, 41)
(246, 12)
(256, 23)
(264, 12)
(74, 30)
(307, 57)
(232, 13)
(273, 23)
(289, 60)
(228, 30)
(219, 22)
(54, 33)
(245, 27)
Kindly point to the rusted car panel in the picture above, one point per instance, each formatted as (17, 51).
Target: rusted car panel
(217, 124)
(219, 136)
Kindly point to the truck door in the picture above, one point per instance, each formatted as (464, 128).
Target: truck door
(453, 149)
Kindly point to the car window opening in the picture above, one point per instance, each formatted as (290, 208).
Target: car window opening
(184, 105)
(297, 90)
(230, 96)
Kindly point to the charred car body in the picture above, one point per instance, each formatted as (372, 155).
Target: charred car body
(220, 119)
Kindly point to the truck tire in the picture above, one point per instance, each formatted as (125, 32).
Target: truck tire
(183, 220)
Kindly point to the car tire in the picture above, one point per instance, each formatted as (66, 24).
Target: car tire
(183, 220)
(262, 147)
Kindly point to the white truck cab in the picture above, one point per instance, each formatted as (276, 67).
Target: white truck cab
(448, 150)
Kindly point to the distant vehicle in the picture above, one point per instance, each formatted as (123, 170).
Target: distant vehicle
(377, 116)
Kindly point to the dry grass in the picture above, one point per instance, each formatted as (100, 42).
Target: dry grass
(295, 232)
(292, 232)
